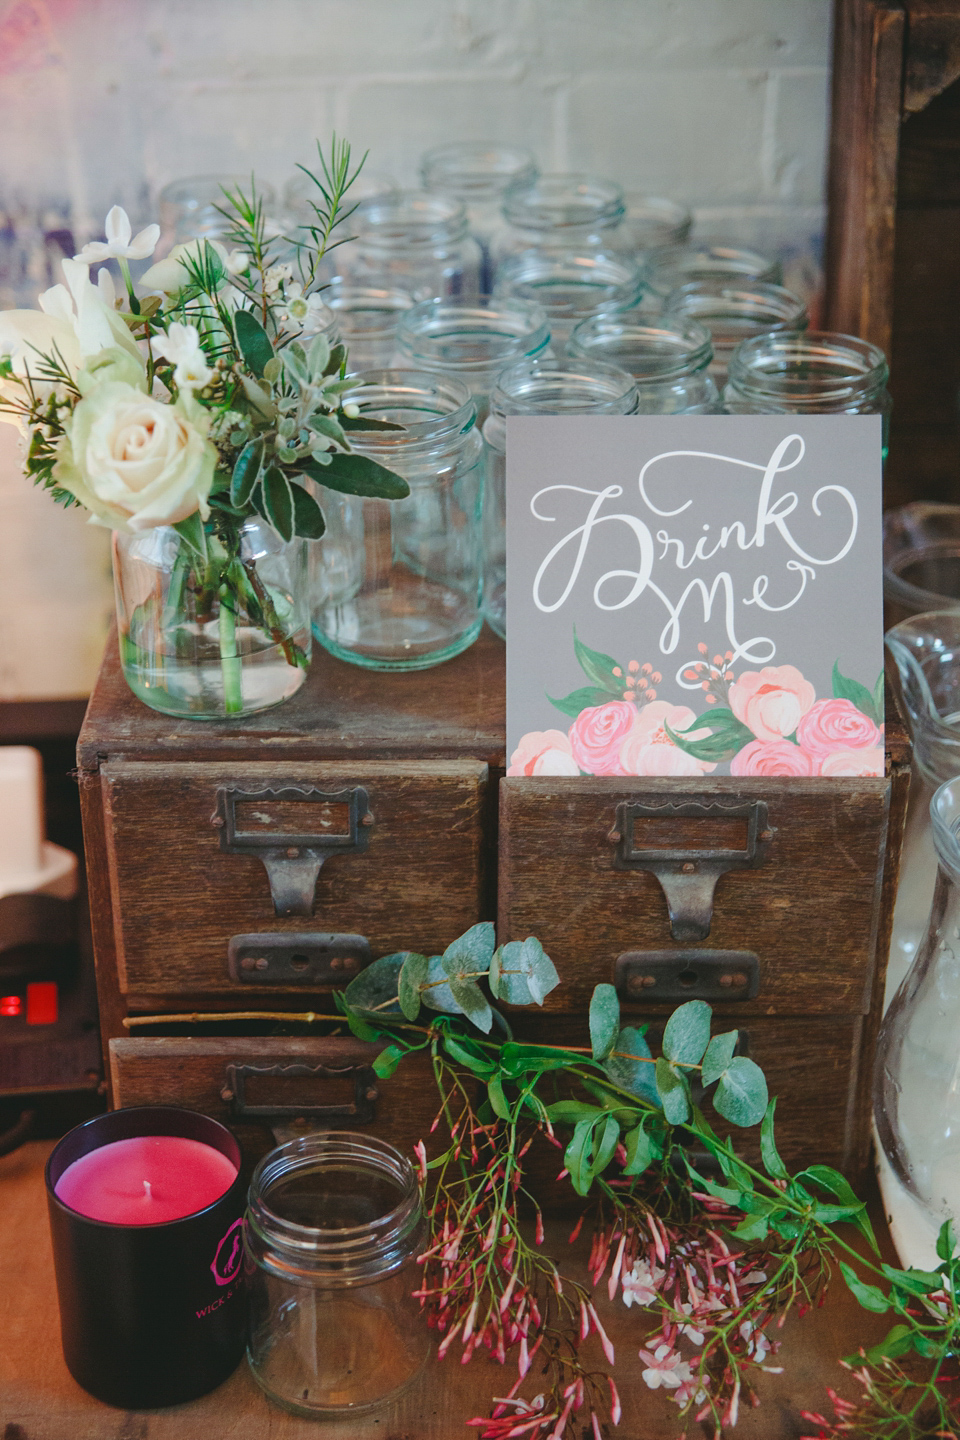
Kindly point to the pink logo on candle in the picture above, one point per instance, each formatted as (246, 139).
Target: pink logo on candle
(229, 1256)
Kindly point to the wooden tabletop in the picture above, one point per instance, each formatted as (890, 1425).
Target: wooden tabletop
(40, 1401)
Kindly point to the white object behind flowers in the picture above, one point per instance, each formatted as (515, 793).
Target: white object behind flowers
(56, 597)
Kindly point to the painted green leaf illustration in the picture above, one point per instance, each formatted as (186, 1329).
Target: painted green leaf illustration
(727, 736)
(579, 700)
(598, 667)
(845, 688)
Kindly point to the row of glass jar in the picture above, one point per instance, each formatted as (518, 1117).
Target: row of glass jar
(405, 585)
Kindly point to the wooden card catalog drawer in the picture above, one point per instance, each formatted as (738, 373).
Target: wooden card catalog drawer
(230, 879)
(762, 893)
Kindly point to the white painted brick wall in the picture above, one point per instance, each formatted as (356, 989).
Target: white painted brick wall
(719, 103)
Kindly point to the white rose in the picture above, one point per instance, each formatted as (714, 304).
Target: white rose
(112, 364)
(136, 462)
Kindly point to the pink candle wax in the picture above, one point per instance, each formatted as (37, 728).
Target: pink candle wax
(146, 1180)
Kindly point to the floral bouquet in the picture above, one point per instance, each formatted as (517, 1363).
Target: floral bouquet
(197, 421)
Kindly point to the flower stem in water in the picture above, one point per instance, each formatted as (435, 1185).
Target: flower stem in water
(229, 659)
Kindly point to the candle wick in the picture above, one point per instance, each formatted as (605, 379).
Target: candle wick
(146, 1190)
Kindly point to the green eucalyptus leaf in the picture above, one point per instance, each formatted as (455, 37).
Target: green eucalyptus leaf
(278, 502)
(522, 973)
(604, 1020)
(718, 1055)
(473, 1003)
(674, 1092)
(413, 973)
(630, 1066)
(308, 521)
(246, 471)
(358, 475)
(687, 1033)
(471, 952)
(252, 340)
(375, 988)
(436, 993)
(741, 1096)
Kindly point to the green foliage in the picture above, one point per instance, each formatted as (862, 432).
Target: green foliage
(604, 1020)
(252, 340)
(687, 1033)
(741, 1096)
(869, 704)
(727, 735)
(357, 475)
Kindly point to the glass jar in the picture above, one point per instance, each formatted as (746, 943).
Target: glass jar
(334, 1223)
(668, 359)
(735, 310)
(536, 387)
(570, 286)
(810, 373)
(478, 175)
(213, 640)
(670, 269)
(367, 320)
(921, 560)
(652, 223)
(396, 585)
(190, 208)
(571, 211)
(412, 241)
(916, 1097)
(471, 339)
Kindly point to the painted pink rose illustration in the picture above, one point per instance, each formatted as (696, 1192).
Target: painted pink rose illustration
(772, 757)
(648, 749)
(543, 752)
(864, 760)
(836, 725)
(771, 702)
(597, 734)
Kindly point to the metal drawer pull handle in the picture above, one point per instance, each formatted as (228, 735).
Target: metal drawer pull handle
(360, 1111)
(292, 858)
(666, 976)
(688, 874)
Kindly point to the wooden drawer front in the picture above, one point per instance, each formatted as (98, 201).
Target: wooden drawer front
(809, 912)
(197, 1074)
(178, 898)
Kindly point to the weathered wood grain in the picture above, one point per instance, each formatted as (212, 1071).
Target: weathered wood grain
(178, 899)
(809, 912)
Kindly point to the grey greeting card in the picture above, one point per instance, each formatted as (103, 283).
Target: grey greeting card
(693, 595)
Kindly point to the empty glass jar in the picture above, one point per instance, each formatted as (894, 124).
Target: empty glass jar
(334, 1223)
(367, 319)
(736, 310)
(471, 339)
(571, 286)
(396, 584)
(536, 387)
(190, 208)
(478, 174)
(569, 212)
(668, 359)
(921, 560)
(652, 223)
(674, 267)
(412, 241)
(808, 373)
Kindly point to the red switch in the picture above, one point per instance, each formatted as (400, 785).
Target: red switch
(10, 1004)
(42, 1003)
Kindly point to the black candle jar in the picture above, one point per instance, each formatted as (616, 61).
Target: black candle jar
(152, 1314)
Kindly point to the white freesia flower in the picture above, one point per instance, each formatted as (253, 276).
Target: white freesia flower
(106, 287)
(136, 462)
(82, 305)
(171, 274)
(181, 345)
(307, 313)
(118, 244)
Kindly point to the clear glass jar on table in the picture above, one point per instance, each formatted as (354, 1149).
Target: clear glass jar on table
(669, 269)
(536, 387)
(396, 585)
(571, 286)
(815, 372)
(366, 318)
(479, 175)
(668, 359)
(412, 241)
(334, 1224)
(736, 310)
(566, 212)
